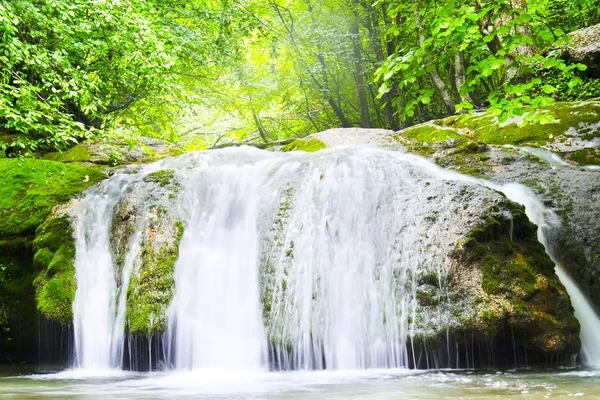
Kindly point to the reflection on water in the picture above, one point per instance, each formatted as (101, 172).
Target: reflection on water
(232, 384)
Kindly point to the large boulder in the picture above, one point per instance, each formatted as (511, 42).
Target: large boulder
(584, 47)
(560, 162)
(115, 153)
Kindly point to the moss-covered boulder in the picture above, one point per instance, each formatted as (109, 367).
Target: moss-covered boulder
(547, 158)
(575, 135)
(148, 215)
(115, 153)
(515, 286)
(30, 190)
(308, 144)
(152, 284)
(54, 261)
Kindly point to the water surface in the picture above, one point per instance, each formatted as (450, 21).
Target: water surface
(232, 384)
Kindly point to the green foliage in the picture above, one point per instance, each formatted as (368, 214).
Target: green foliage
(66, 66)
(497, 40)
(204, 72)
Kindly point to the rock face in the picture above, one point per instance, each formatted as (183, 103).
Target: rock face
(558, 161)
(479, 275)
(115, 153)
(584, 48)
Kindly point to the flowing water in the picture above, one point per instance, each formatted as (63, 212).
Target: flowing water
(331, 240)
(334, 240)
(307, 385)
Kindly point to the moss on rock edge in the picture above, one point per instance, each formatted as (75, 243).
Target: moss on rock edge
(151, 290)
(54, 261)
(309, 144)
(31, 188)
(519, 289)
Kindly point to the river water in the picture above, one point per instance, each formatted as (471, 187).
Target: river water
(229, 201)
(366, 384)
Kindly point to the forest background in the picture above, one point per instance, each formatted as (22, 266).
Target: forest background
(203, 73)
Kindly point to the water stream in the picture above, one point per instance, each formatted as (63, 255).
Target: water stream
(331, 240)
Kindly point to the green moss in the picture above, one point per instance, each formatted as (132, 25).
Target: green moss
(55, 268)
(520, 289)
(310, 145)
(43, 258)
(51, 234)
(150, 291)
(55, 297)
(468, 157)
(484, 128)
(430, 133)
(163, 177)
(31, 188)
(587, 156)
(79, 153)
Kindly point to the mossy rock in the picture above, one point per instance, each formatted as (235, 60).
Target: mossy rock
(54, 261)
(162, 177)
(576, 126)
(151, 288)
(31, 188)
(519, 289)
(570, 118)
(309, 144)
(586, 156)
(115, 153)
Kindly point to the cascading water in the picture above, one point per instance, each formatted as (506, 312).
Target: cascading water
(99, 303)
(297, 260)
(215, 318)
(319, 232)
(94, 300)
(547, 221)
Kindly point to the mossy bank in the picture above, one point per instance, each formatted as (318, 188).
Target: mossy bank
(30, 190)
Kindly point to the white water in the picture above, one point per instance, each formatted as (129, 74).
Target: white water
(215, 318)
(99, 305)
(546, 220)
(94, 301)
(332, 240)
(324, 228)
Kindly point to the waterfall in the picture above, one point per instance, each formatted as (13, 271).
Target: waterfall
(316, 234)
(215, 317)
(99, 303)
(289, 261)
(95, 296)
(547, 220)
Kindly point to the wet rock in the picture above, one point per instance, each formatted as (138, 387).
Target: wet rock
(584, 48)
(115, 153)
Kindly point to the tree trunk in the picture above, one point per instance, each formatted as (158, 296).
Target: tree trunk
(525, 50)
(438, 82)
(363, 104)
(460, 78)
(492, 22)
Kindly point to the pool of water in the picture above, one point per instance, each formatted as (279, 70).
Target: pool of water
(21, 383)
